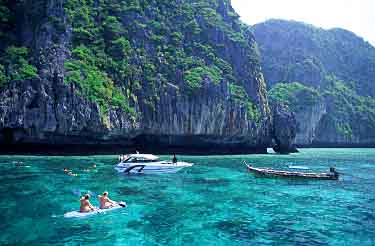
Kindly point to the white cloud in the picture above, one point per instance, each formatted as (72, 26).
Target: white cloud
(357, 16)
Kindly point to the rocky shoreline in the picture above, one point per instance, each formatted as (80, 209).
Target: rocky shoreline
(115, 149)
(111, 149)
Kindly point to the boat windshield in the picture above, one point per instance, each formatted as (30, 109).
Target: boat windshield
(140, 160)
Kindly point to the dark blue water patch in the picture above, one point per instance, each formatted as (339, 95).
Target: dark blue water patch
(136, 224)
(237, 229)
(164, 217)
(209, 181)
(368, 217)
(74, 232)
(308, 200)
(14, 178)
(3, 217)
(288, 236)
(163, 221)
(129, 191)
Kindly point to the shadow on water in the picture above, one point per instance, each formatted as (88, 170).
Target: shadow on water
(209, 181)
(131, 191)
(238, 230)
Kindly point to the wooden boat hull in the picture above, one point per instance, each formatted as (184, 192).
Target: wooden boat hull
(286, 174)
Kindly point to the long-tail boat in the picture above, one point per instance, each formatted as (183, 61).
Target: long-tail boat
(266, 172)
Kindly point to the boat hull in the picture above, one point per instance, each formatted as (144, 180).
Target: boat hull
(137, 168)
(286, 174)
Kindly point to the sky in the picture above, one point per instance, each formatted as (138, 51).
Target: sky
(357, 16)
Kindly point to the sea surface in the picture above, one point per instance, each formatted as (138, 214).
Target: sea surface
(215, 202)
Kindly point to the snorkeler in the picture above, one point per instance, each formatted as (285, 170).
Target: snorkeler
(90, 168)
(19, 164)
(105, 202)
(69, 172)
(86, 206)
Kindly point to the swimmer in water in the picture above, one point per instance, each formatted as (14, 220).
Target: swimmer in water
(91, 168)
(105, 202)
(19, 164)
(69, 172)
(86, 206)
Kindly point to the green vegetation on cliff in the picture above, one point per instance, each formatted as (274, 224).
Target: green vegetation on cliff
(14, 65)
(295, 95)
(136, 47)
(241, 97)
(7, 21)
(333, 67)
(294, 51)
(350, 114)
(96, 85)
(15, 60)
(124, 55)
(99, 63)
(195, 76)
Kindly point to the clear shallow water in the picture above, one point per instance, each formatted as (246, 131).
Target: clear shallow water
(216, 202)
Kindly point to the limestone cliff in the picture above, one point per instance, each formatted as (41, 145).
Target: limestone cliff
(177, 76)
(325, 77)
(284, 129)
(308, 121)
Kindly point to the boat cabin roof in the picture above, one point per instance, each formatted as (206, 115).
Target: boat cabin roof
(144, 156)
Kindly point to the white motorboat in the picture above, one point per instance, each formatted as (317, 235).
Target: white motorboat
(147, 163)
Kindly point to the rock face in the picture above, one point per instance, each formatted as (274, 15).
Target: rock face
(338, 65)
(47, 112)
(37, 112)
(284, 129)
(307, 123)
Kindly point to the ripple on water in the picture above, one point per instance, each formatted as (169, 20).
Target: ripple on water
(215, 202)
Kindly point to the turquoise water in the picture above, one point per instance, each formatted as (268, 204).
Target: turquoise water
(215, 202)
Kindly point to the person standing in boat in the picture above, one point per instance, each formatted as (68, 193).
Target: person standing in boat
(174, 160)
(105, 202)
(334, 172)
(86, 206)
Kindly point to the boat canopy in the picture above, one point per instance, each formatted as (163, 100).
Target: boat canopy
(143, 156)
